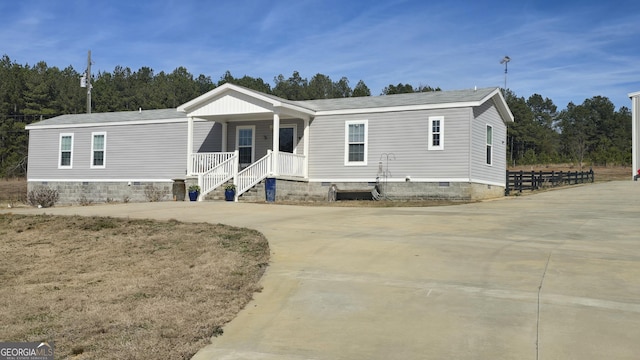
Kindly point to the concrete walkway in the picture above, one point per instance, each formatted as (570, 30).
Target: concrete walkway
(554, 275)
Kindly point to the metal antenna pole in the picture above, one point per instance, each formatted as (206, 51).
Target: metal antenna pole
(89, 83)
(505, 61)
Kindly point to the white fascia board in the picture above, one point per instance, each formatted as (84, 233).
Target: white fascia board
(501, 104)
(113, 123)
(399, 108)
(486, 182)
(634, 94)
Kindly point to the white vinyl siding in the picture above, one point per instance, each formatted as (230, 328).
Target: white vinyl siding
(356, 138)
(98, 150)
(245, 140)
(436, 133)
(484, 115)
(489, 145)
(402, 133)
(65, 153)
(140, 151)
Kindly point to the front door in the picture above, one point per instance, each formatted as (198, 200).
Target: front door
(287, 138)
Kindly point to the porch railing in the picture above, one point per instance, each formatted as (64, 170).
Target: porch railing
(204, 162)
(215, 169)
(290, 164)
(218, 175)
(250, 176)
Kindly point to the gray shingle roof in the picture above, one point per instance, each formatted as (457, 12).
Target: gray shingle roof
(366, 102)
(112, 117)
(423, 98)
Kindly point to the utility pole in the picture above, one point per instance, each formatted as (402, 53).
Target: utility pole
(89, 83)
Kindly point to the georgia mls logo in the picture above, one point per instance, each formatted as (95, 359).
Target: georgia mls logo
(26, 351)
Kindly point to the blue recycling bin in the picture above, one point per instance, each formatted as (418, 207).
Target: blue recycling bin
(270, 189)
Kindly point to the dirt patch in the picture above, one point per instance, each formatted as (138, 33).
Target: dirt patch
(105, 288)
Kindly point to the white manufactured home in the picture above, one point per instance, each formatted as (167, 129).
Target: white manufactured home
(433, 145)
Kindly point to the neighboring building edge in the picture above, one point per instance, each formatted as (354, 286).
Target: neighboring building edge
(635, 133)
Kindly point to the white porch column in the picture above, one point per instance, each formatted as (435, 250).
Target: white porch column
(276, 142)
(305, 135)
(189, 145)
(225, 126)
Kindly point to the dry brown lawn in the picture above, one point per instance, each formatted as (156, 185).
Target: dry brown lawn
(106, 288)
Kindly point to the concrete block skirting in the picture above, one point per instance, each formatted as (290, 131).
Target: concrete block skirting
(101, 192)
(286, 190)
(291, 190)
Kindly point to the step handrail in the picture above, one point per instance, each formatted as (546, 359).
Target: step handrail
(218, 175)
(253, 174)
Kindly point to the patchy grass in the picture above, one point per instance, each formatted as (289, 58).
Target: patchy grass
(13, 192)
(106, 288)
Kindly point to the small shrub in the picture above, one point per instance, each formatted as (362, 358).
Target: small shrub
(83, 201)
(154, 193)
(126, 199)
(42, 197)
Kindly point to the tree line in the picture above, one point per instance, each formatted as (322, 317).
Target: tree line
(592, 132)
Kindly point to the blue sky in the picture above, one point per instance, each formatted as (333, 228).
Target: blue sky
(563, 50)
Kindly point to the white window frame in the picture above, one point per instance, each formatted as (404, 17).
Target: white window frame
(60, 166)
(104, 150)
(430, 145)
(489, 145)
(365, 123)
(253, 140)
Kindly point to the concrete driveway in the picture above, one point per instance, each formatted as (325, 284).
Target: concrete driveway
(554, 275)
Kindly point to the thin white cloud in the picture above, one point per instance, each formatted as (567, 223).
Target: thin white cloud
(567, 52)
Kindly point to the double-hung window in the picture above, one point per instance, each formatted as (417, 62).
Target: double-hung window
(356, 142)
(489, 144)
(436, 133)
(65, 155)
(98, 150)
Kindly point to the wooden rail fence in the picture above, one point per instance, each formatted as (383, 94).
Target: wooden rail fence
(534, 180)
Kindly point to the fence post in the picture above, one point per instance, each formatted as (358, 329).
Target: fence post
(520, 181)
(506, 190)
(592, 175)
(533, 180)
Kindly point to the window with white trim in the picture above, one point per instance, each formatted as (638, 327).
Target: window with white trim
(245, 138)
(65, 155)
(436, 133)
(356, 142)
(98, 150)
(489, 144)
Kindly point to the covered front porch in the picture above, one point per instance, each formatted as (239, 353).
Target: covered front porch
(259, 136)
